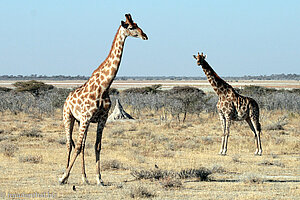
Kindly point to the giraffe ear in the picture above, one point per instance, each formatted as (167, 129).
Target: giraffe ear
(205, 56)
(124, 24)
(195, 57)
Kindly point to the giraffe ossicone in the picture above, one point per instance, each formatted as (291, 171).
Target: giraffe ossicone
(232, 106)
(90, 103)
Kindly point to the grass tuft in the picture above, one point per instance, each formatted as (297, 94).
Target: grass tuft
(152, 174)
(34, 133)
(158, 174)
(112, 165)
(141, 192)
(251, 178)
(31, 159)
(201, 173)
(9, 149)
(171, 183)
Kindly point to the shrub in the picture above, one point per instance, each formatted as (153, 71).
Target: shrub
(31, 159)
(34, 87)
(158, 174)
(113, 91)
(278, 125)
(170, 183)
(4, 89)
(201, 173)
(141, 192)
(144, 90)
(257, 90)
(236, 158)
(251, 178)
(152, 174)
(32, 133)
(9, 149)
(62, 141)
(218, 169)
(112, 164)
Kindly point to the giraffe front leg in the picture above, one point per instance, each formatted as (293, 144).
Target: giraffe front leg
(98, 145)
(258, 141)
(106, 106)
(226, 135)
(223, 124)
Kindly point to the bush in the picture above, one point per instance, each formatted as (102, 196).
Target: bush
(31, 159)
(144, 90)
(251, 178)
(4, 89)
(278, 125)
(45, 103)
(112, 165)
(170, 183)
(34, 87)
(201, 173)
(158, 174)
(32, 133)
(9, 149)
(141, 192)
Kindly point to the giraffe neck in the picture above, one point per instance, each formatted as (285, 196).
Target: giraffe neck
(217, 83)
(104, 75)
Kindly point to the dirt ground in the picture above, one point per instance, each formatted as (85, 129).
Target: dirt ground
(33, 157)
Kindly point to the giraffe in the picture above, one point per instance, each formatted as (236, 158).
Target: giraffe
(232, 106)
(90, 103)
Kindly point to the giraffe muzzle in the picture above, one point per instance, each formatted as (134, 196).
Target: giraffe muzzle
(144, 36)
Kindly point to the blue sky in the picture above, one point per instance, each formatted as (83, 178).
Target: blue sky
(54, 37)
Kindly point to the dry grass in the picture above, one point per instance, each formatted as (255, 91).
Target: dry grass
(33, 162)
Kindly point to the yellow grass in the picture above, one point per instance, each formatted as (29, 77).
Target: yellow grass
(148, 142)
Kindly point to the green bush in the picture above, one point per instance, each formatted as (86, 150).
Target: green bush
(34, 87)
(4, 89)
(153, 89)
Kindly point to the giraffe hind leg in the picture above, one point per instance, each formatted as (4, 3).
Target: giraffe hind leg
(255, 127)
(84, 178)
(69, 126)
(78, 148)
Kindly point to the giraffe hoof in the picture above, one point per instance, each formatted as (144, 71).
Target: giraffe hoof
(100, 183)
(85, 181)
(62, 182)
(258, 153)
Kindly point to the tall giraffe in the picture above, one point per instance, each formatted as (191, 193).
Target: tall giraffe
(232, 106)
(90, 103)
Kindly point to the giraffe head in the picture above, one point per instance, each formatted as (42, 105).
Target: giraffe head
(200, 58)
(132, 28)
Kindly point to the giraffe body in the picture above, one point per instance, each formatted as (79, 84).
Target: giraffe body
(90, 103)
(232, 106)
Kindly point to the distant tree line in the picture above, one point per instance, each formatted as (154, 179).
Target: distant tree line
(38, 98)
(79, 77)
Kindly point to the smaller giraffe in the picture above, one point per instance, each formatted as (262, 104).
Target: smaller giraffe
(232, 106)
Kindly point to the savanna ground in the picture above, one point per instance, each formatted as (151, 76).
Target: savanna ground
(157, 155)
(33, 157)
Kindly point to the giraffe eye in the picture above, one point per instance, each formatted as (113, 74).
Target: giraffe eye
(131, 28)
